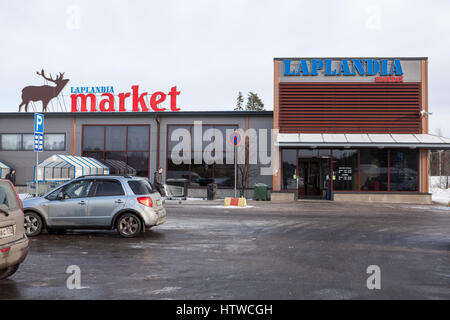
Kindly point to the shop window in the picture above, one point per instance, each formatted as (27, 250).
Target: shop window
(345, 170)
(115, 138)
(54, 142)
(93, 138)
(138, 138)
(374, 169)
(403, 170)
(28, 142)
(11, 142)
(289, 157)
(125, 149)
(139, 162)
(200, 175)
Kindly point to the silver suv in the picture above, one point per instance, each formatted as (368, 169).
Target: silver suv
(14, 243)
(128, 204)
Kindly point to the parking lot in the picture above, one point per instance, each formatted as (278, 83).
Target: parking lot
(301, 250)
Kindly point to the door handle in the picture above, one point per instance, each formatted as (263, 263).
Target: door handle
(82, 203)
(118, 201)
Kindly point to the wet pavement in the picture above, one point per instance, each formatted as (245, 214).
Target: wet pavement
(301, 250)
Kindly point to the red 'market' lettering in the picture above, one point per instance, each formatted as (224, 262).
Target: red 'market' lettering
(109, 101)
(107, 104)
(138, 99)
(83, 103)
(173, 99)
(154, 101)
(122, 97)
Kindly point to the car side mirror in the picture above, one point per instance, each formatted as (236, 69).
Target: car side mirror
(60, 196)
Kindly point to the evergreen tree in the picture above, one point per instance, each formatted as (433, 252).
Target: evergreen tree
(240, 101)
(254, 103)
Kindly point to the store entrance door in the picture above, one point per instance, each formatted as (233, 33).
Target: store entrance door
(309, 178)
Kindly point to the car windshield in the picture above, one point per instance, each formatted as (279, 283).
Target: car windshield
(140, 187)
(8, 199)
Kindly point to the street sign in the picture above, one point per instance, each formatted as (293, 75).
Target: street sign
(38, 142)
(38, 123)
(235, 138)
(38, 132)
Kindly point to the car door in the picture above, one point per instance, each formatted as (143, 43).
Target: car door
(71, 209)
(107, 199)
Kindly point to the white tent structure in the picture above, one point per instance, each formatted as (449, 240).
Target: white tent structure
(4, 170)
(61, 167)
(120, 167)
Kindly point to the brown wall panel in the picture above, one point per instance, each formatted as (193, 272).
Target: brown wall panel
(349, 107)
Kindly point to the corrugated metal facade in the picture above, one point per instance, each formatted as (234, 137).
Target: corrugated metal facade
(346, 107)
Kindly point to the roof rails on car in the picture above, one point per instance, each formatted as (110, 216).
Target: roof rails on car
(105, 175)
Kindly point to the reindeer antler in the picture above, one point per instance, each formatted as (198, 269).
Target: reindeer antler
(43, 75)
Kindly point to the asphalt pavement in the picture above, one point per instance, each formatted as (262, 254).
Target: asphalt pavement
(298, 250)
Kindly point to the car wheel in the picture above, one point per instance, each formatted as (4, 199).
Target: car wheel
(129, 225)
(32, 224)
(7, 272)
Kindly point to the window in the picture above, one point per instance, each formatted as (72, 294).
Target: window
(138, 138)
(109, 188)
(54, 141)
(374, 169)
(8, 200)
(403, 170)
(124, 148)
(115, 138)
(289, 157)
(93, 138)
(140, 187)
(200, 175)
(345, 170)
(11, 142)
(79, 189)
(25, 142)
(28, 142)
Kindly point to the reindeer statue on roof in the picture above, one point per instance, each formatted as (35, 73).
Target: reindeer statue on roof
(43, 93)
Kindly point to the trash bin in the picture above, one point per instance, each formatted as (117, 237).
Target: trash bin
(179, 183)
(211, 190)
(260, 192)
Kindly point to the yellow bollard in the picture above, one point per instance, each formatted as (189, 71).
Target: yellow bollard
(242, 202)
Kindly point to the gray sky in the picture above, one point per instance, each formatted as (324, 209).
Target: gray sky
(212, 49)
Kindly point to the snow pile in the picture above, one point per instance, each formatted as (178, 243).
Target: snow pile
(439, 182)
(441, 195)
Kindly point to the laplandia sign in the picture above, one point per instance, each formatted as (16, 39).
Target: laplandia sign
(384, 70)
(98, 98)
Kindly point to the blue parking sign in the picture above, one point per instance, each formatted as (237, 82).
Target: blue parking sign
(38, 123)
(38, 142)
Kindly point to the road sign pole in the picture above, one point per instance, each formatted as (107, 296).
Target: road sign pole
(235, 171)
(38, 146)
(36, 175)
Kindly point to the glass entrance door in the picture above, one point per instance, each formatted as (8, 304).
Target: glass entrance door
(309, 178)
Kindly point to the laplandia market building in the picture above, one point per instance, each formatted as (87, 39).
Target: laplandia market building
(363, 122)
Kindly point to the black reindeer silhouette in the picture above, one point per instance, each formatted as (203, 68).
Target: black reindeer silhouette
(43, 93)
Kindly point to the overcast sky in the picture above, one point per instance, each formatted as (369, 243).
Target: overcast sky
(212, 49)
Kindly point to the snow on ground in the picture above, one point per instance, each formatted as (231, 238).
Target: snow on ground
(441, 195)
(439, 182)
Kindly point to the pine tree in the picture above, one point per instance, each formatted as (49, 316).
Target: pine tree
(254, 103)
(240, 101)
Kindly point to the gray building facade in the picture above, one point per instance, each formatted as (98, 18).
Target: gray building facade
(140, 141)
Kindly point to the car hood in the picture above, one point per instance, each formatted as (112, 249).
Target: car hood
(33, 202)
